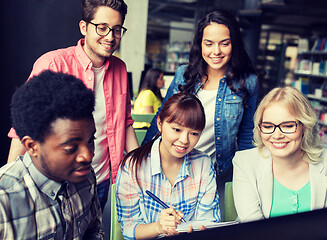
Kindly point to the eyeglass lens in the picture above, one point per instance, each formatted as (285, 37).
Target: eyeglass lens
(104, 30)
(285, 127)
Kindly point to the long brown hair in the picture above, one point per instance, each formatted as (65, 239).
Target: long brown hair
(184, 108)
(240, 66)
(150, 82)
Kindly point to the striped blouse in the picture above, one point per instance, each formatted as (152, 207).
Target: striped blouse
(193, 193)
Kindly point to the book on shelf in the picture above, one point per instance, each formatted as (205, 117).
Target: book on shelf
(322, 67)
(314, 46)
(304, 65)
(302, 84)
(319, 45)
(303, 45)
(315, 68)
(323, 43)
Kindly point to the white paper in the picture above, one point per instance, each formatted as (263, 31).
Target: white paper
(197, 224)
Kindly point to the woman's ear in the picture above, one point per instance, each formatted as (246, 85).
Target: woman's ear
(159, 124)
(32, 146)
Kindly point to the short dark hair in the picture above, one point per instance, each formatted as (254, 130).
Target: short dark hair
(46, 98)
(89, 8)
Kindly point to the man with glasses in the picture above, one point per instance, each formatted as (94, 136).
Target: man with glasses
(92, 61)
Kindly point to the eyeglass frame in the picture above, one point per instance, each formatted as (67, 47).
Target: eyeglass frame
(278, 126)
(110, 29)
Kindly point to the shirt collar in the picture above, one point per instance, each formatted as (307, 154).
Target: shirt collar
(44, 184)
(83, 58)
(186, 169)
(155, 158)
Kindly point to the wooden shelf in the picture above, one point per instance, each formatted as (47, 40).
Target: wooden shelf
(322, 123)
(310, 74)
(313, 97)
(313, 52)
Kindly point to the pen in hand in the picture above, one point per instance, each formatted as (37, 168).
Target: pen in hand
(164, 205)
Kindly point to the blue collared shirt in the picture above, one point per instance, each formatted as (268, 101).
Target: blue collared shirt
(233, 123)
(29, 206)
(194, 192)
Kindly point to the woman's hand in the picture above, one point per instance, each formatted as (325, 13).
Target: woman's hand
(190, 228)
(168, 221)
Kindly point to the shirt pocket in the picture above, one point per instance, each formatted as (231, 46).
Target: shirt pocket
(233, 106)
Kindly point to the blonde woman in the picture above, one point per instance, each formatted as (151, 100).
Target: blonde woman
(286, 172)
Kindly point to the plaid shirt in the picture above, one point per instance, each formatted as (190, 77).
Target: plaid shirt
(29, 207)
(194, 192)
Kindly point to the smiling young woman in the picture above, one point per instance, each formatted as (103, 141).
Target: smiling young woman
(169, 167)
(221, 75)
(286, 172)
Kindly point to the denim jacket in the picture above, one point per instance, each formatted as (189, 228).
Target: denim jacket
(233, 122)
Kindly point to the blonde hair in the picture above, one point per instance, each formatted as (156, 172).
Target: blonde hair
(300, 107)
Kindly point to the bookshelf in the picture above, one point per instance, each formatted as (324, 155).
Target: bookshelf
(276, 58)
(177, 54)
(310, 72)
(310, 77)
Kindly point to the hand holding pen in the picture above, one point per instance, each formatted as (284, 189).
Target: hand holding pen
(164, 205)
(168, 221)
(168, 218)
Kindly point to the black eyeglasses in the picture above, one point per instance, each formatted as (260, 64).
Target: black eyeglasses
(104, 30)
(285, 127)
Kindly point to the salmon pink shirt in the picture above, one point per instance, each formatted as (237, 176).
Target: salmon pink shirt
(74, 61)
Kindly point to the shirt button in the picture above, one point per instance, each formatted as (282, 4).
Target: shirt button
(222, 80)
(90, 78)
(219, 99)
(218, 119)
(218, 138)
(218, 155)
(234, 97)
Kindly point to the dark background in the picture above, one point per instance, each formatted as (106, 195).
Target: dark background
(30, 28)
